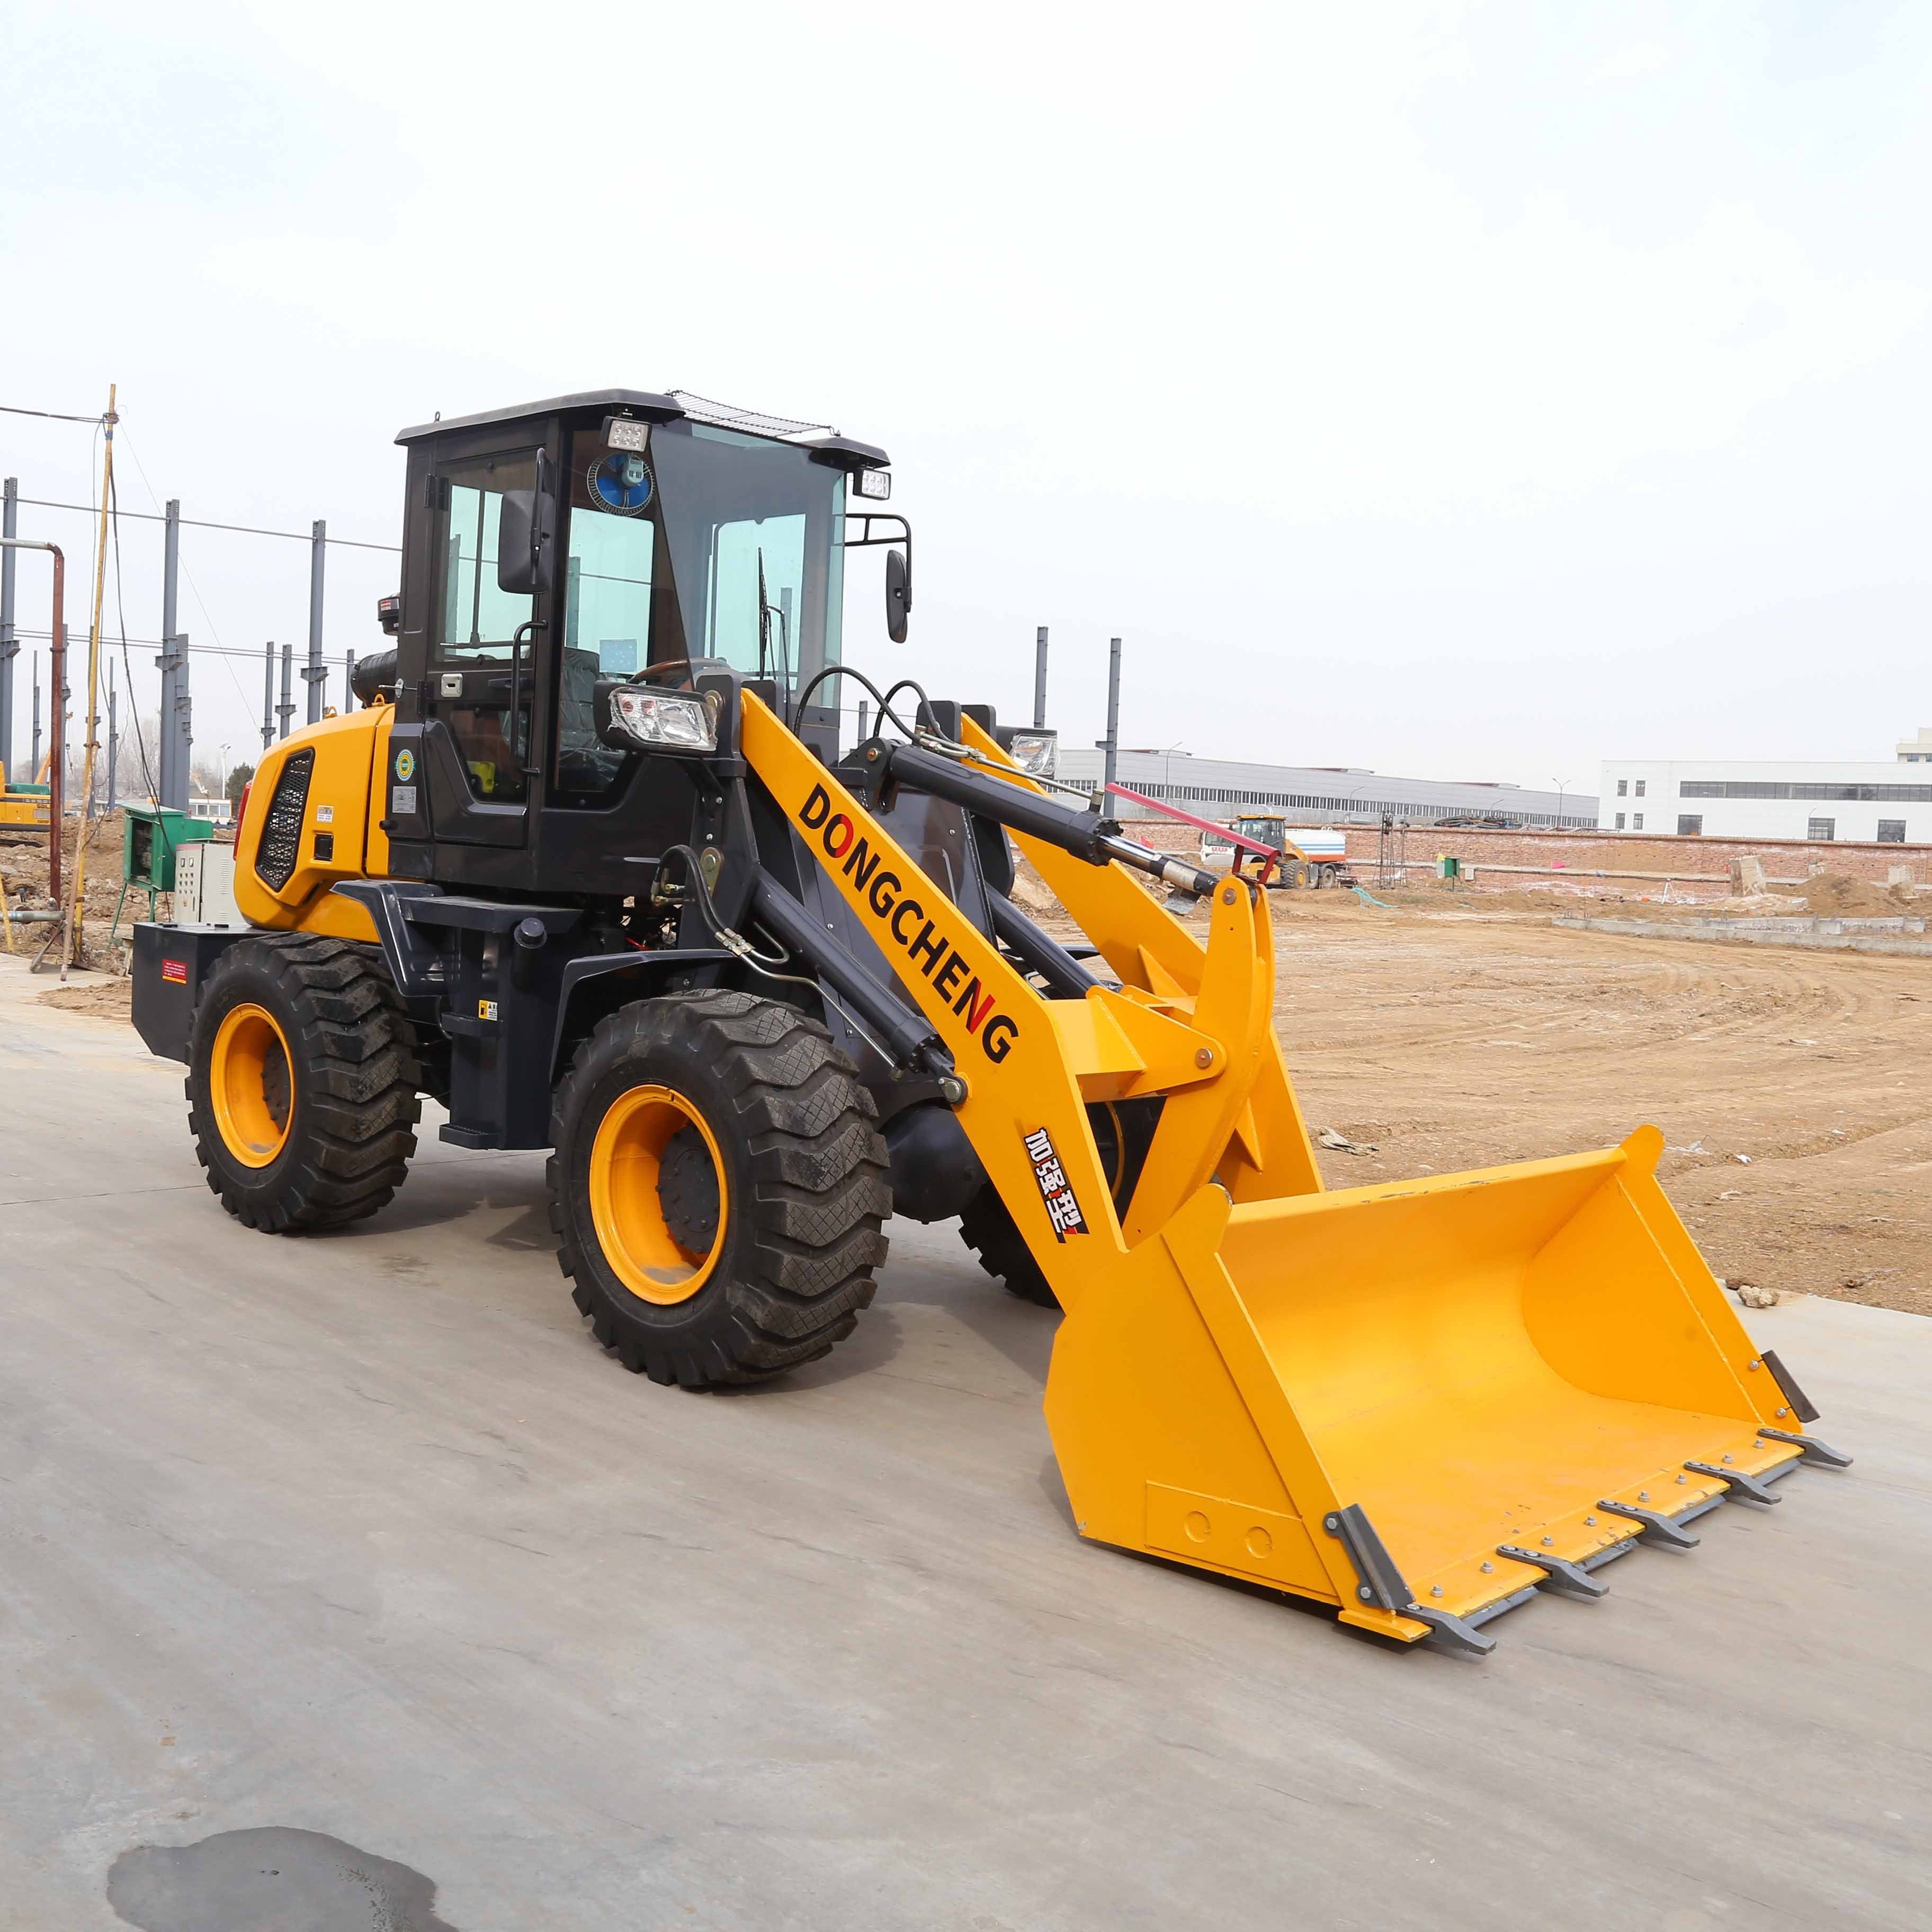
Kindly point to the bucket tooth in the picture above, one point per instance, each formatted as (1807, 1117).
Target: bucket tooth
(1742, 1486)
(1564, 1579)
(1448, 1631)
(1819, 1455)
(1658, 1532)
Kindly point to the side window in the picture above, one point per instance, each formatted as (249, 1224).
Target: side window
(476, 625)
(477, 620)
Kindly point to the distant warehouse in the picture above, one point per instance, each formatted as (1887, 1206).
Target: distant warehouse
(1218, 788)
(1860, 802)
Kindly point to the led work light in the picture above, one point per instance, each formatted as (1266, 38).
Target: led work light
(660, 722)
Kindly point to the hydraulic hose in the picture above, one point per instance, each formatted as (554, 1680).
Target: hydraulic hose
(1084, 834)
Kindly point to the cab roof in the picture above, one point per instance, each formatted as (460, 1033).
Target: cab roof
(673, 405)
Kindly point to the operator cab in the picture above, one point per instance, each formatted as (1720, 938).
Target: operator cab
(554, 551)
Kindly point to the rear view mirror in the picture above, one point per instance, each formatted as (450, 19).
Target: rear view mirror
(898, 595)
(526, 537)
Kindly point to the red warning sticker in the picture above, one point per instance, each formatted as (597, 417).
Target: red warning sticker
(175, 971)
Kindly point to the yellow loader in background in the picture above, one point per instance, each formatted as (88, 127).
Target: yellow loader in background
(590, 870)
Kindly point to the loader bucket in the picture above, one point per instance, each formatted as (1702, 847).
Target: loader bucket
(1376, 1391)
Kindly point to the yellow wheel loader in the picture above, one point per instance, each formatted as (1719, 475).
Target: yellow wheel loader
(588, 869)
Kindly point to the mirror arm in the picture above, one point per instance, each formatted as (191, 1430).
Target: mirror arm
(869, 542)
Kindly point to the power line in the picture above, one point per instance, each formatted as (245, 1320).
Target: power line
(193, 523)
(47, 415)
(194, 649)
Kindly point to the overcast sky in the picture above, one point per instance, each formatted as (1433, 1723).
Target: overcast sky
(1459, 391)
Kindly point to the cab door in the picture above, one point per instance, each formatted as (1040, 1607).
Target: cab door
(483, 689)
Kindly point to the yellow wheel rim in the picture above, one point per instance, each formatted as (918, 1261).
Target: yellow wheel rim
(251, 1085)
(627, 1204)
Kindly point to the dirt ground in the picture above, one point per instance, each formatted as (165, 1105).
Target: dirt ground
(1794, 1087)
(23, 866)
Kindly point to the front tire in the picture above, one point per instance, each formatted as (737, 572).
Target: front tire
(718, 1188)
(302, 1083)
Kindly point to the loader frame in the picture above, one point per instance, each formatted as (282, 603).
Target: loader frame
(1417, 1402)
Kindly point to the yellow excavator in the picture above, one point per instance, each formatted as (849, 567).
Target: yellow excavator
(588, 869)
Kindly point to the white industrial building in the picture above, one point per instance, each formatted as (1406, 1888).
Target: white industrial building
(1218, 788)
(1845, 802)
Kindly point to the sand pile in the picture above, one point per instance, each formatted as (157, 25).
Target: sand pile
(1839, 896)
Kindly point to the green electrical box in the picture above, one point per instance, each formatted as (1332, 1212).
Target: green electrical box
(155, 832)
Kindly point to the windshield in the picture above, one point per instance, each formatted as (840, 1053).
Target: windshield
(666, 560)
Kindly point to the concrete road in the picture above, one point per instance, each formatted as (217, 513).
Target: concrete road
(362, 1536)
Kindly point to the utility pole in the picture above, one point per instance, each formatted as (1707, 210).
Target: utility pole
(35, 662)
(1111, 743)
(349, 683)
(314, 674)
(77, 912)
(268, 695)
(10, 646)
(865, 717)
(286, 709)
(170, 783)
(113, 738)
(1040, 679)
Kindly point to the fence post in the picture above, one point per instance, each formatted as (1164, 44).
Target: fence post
(314, 674)
(10, 647)
(1040, 679)
(286, 709)
(268, 695)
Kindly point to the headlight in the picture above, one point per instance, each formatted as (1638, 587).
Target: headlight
(876, 485)
(1033, 752)
(662, 722)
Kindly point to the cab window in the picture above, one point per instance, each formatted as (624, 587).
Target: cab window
(477, 619)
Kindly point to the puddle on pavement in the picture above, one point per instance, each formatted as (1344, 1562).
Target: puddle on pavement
(271, 1879)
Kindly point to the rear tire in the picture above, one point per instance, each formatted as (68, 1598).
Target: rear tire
(302, 1083)
(718, 1188)
(989, 1230)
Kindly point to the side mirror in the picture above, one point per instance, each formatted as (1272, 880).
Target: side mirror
(526, 537)
(898, 595)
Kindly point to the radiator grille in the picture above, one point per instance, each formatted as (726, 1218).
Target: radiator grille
(275, 857)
